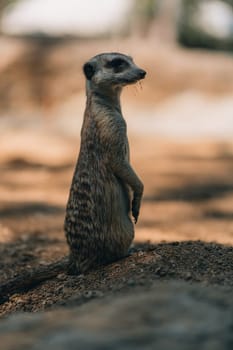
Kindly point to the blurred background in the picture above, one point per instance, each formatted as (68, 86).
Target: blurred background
(180, 119)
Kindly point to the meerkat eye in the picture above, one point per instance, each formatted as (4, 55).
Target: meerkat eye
(117, 64)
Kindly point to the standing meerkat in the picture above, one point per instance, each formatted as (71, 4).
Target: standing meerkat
(105, 189)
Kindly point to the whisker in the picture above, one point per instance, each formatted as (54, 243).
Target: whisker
(134, 91)
(136, 88)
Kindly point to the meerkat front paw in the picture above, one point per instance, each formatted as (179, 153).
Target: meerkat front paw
(136, 203)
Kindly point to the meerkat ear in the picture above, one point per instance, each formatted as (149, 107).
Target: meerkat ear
(89, 70)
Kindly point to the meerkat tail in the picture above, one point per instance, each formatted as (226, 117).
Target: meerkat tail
(29, 279)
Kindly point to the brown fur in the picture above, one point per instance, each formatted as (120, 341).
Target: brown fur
(105, 189)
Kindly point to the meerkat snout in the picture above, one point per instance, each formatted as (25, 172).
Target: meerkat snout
(142, 73)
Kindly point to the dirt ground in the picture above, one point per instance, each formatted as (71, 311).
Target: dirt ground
(185, 230)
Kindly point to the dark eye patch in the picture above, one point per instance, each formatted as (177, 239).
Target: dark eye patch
(117, 64)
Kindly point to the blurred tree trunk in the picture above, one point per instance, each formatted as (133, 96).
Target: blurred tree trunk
(185, 31)
(3, 5)
(164, 25)
(143, 15)
(155, 18)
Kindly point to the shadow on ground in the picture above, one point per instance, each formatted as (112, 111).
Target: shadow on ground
(193, 192)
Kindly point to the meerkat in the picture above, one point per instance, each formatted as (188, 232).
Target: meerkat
(105, 192)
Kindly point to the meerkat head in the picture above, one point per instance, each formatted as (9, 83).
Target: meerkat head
(112, 70)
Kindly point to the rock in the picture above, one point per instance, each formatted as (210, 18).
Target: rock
(170, 315)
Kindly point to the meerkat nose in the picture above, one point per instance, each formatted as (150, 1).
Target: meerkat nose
(142, 73)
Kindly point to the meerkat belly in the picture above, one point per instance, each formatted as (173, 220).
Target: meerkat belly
(99, 208)
(121, 230)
